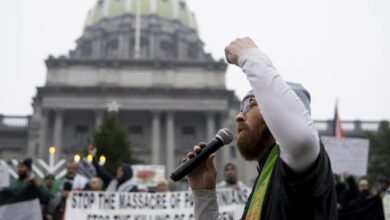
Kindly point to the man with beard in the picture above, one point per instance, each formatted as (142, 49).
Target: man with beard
(231, 178)
(295, 179)
(27, 186)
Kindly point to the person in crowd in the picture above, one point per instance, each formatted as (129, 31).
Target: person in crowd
(231, 178)
(381, 185)
(364, 189)
(274, 128)
(71, 178)
(49, 183)
(26, 182)
(346, 189)
(121, 182)
(162, 185)
(95, 184)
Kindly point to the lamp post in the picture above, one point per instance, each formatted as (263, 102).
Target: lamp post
(52, 151)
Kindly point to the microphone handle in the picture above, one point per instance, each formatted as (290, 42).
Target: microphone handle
(191, 164)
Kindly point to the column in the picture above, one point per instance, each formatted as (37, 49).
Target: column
(58, 127)
(170, 128)
(211, 131)
(156, 137)
(43, 148)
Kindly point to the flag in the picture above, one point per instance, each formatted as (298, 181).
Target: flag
(338, 131)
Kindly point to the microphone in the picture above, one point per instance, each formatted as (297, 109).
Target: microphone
(223, 137)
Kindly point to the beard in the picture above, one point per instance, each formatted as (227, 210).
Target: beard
(22, 175)
(254, 143)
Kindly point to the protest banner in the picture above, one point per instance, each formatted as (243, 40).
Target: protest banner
(4, 176)
(149, 206)
(148, 174)
(347, 154)
(21, 211)
(386, 204)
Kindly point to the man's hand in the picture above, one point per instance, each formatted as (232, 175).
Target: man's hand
(237, 47)
(205, 175)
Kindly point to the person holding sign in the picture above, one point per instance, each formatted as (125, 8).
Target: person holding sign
(295, 179)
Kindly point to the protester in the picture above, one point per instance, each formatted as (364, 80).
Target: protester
(72, 178)
(381, 185)
(49, 183)
(95, 184)
(231, 178)
(275, 128)
(162, 185)
(122, 181)
(25, 182)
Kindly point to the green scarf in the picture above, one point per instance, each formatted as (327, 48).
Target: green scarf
(256, 203)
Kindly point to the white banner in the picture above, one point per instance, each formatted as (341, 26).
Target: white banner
(27, 210)
(4, 176)
(386, 204)
(347, 154)
(148, 174)
(149, 206)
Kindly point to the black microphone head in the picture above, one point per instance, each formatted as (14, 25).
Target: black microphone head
(225, 135)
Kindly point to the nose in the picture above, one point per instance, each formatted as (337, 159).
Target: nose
(240, 117)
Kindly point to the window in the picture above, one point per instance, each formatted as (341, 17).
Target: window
(168, 49)
(193, 50)
(112, 48)
(86, 49)
(80, 130)
(188, 134)
(136, 135)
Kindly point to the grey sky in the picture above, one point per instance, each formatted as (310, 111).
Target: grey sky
(336, 48)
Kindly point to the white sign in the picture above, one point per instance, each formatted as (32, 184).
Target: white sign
(347, 154)
(386, 204)
(148, 206)
(147, 174)
(30, 210)
(4, 176)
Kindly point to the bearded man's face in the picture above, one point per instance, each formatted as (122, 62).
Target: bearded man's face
(253, 137)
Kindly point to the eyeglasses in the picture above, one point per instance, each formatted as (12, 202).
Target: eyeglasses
(247, 104)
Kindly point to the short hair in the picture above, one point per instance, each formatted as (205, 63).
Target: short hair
(230, 165)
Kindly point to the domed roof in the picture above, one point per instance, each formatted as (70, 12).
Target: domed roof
(171, 9)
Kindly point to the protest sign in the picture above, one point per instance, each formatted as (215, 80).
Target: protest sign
(149, 206)
(148, 174)
(21, 211)
(4, 176)
(347, 154)
(386, 204)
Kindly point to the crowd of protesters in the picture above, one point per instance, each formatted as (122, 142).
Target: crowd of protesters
(356, 198)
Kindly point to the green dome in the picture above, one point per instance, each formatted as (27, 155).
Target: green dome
(171, 9)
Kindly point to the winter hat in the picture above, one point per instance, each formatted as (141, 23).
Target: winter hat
(299, 90)
(27, 162)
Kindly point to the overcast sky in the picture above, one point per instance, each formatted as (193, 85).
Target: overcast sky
(335, 48)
